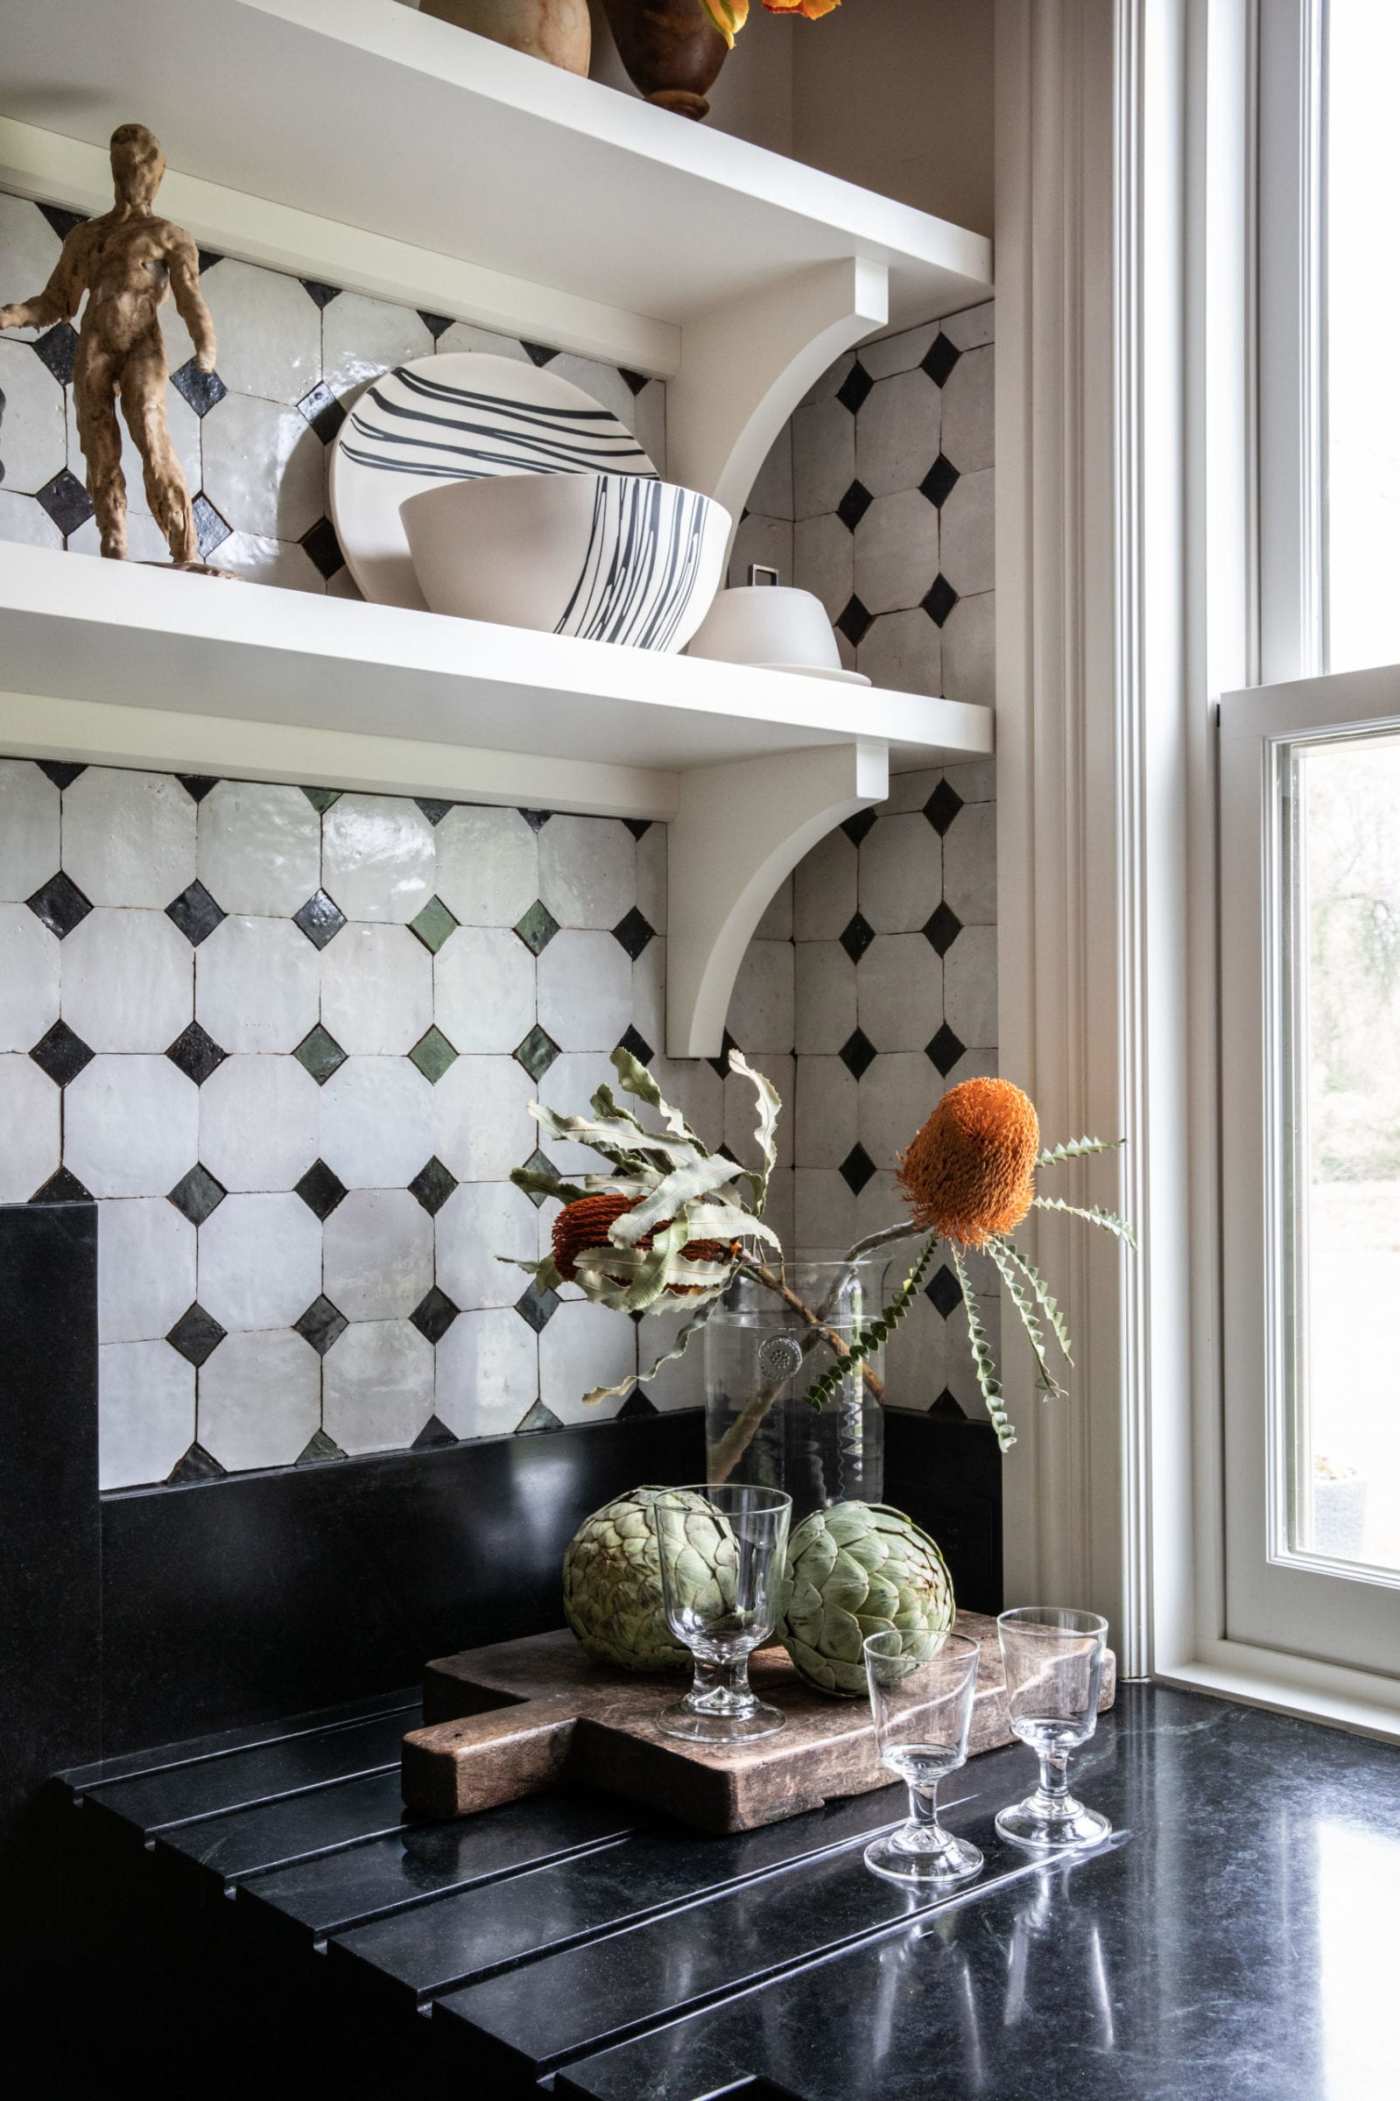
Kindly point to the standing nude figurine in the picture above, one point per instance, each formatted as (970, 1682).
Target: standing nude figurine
(126, 261)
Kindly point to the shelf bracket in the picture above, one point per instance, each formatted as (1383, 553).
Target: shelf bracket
(740, 831)
(746, 365)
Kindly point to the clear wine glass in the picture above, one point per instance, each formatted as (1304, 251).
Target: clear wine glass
(922, 1706)
(1054, 1664)
(723, 1549)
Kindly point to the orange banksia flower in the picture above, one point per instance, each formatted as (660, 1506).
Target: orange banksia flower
(587, 1221)
(970, 1172)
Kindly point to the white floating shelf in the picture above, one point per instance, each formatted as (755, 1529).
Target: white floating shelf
(127, 665)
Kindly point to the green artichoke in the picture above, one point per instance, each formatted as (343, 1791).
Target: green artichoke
(612, 1579)
(854, 1570)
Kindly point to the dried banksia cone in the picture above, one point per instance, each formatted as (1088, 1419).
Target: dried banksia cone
(970, 1172)
(587, 1221)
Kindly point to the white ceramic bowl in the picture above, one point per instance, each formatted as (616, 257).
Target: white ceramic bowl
(610, 557)
(772, 625)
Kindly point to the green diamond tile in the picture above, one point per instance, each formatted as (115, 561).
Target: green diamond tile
(537, 1053)
(321, 798)
(432, 1054)
(320, 1054)
(537, 927)
(433, 924)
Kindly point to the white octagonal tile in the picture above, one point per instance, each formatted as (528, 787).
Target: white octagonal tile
(131, 1125)
(584, 1346)
(128, 980)
(379, 857)
(376, 989)
(482, 1126)
(259, 1399)
(487, 865)
(376, 1122)
(259, 1122)
(30, 1107)
(28, 829)
(378, 1254)
(257, 984)
(482, 1229)
(128, 838)
(145, 1268)
(36, 443)
(487, 1373)
(29, 978)
(259, 1261)
(145, 1412)
(264, 467)
(377, 1384)
(259, 845)
(484, 979)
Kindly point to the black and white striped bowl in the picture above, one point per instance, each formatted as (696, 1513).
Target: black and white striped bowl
(609, 557)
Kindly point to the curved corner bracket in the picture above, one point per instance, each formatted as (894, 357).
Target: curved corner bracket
(746, 365)
(740, 830)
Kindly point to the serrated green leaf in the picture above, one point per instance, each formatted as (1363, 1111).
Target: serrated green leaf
(1109, 1220)
(1049, 1305)
(983, 1362)
(768, 1106)
(634, 1078)
(546, 1182)
(684, 1337)
(1077, 1149)
(672, 1196)
(1022, 1300)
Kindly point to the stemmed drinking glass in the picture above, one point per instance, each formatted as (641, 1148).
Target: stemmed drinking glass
(1054, 1664)
(922, 1706)
(723, 1548)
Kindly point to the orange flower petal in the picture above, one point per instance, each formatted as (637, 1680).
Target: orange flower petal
(729, 16)
(970, 1172)
(811, 10)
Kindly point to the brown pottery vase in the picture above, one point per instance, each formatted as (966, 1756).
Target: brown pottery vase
(671, 49)
(557, 30)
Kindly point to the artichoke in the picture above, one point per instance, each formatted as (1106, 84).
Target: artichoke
(612, 1579)
(854, 1570)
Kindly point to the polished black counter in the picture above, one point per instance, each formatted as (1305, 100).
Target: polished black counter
(1234, 1939)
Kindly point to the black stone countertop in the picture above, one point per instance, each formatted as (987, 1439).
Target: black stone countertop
(1234, 1939)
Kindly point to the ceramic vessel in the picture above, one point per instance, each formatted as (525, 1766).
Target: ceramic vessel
(775, 627)
(609, 557)
(671, 49)
(557, 30)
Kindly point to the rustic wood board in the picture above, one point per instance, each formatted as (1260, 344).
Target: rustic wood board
(507, 1721)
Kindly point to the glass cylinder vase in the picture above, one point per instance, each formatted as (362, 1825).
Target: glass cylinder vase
(764, 1350)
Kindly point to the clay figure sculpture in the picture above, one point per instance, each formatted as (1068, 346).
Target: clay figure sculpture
(126, 261)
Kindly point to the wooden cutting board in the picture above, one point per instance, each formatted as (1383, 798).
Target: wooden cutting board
(524, 1715)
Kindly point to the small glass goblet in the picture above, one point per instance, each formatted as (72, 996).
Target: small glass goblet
(723, 1549)
(1054, 1663)
(922, 1704)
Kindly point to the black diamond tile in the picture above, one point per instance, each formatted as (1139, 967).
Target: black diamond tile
(942, 807)
(322, 798)
(942, 928)
(854, 622)
(319, 1052)
(195, 913)
(537, 927)
(638, 826)
(202, 390)
(634, 1041)
(196, 1465)
(857, 936)
(433, 1185)
(61, 220)
(436, 324)
(321, 1325)
(323, 547)
(207, 258)
(857, 1053)
(321, 294)
(57, 348)
(939, 359)
(196, 1054)
(538, 1164)
(939, 599)
(320, 1189)
(940, 481)
(854, 389)
(60, 771)
(433, 1434)
(66, 501)
(634, 381)
(61, 1054)
(537, 1053)
(196, 1334)
(211, 526)
(538, 353)
(433, 810)
(318, 1447)
(537, 1307)
(636, 1405)
(197, 1196)
(721, 1063)
(61, 1188)
(943, 1291)
(634, 932)
(854, 505)
(196, 785)
(320, 919)
(537, 819)
(539, 1418)
(949, 1408)
(434, 1315)
(60, 904)
(857, 827)
(856, 1169)
(945, 1050)
(322, 411)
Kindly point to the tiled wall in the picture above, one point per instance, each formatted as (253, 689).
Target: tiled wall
(288, 1038)
(253, 436)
